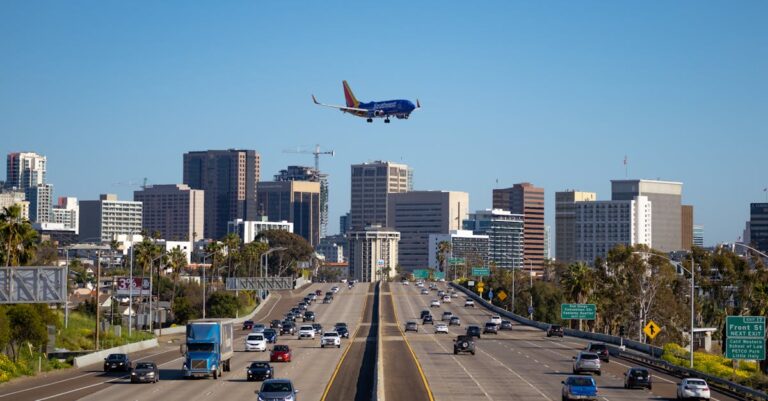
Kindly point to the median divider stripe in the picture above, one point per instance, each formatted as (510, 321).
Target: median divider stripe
(378, 391)
(346, 351)
(410, 349)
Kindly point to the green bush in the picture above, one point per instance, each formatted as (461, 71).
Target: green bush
(747, 373)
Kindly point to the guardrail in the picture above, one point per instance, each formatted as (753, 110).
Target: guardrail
(645, 354)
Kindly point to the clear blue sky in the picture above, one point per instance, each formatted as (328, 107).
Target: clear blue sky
(555, 94)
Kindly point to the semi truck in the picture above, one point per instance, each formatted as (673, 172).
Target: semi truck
(209, 347)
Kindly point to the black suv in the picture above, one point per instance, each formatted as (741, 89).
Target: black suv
(309, 316)
(464, 344)
(638, 377)
(555, 330)
(600, 349)
(473, 331)
(424, 313)
(427, 320)
(117, 362)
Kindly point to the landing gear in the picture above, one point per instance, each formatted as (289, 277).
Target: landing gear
(386, 120)
(370, 120)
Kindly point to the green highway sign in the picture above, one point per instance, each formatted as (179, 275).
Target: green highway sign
(745, 326)
(455, 261)
(745, 348)
(578, 311)
(439, 275)
(421, 273)
(481, 271)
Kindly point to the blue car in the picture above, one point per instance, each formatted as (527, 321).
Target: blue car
(270, 335)
(579, 388)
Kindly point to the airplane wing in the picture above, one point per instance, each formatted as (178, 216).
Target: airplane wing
(342, 108)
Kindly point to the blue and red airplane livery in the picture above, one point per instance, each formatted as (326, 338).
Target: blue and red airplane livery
(399, 108)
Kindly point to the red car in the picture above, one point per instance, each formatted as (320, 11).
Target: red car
(248, 325)
(280, 353)
(319, 293)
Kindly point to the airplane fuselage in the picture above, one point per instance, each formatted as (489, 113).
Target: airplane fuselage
(390, 108)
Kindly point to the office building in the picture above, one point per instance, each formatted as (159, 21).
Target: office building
(301, 173)
(565, 222)
(698, 236)
(505, 235)
(175, 211)
(104, 219)
(417, 214)
(758, 226)
(601, 225)
(40, 198)
(249, 230)
(66, 212)
(371, 183)
(297, 202)
(547, 241)
(10, 198)
(372, 253)
(333, 248)
(686, 225)
(527, 200)
(345, 223)
(56, 233)
(229, 179)
(667, 209)
(24, 170)
(466, 245)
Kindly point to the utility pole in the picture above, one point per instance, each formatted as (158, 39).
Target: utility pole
(98, 304)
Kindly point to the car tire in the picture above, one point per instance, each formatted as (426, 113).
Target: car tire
(455, 352)
(215, 374)
(599, 373)
(472, 352)
(338, 346)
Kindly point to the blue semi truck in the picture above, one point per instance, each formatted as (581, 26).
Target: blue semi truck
(209, 347)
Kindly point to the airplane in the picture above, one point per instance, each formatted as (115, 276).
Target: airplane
(399, 108)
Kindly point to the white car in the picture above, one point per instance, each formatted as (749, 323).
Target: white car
(446, 298)
(334, 289)
(469, 303)
(255, 342)
(406, 283)
(330, 339)
(424, 291)
(306, 331)
(435, 303)
(454, 294)
(419, 284)
(496, 319)
(693, 389)
(441, 328)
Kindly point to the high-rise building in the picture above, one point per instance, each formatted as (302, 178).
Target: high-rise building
(758, 226)
(66, 212)
(371, 183)
(333, 248)
(372, 253)
(547, 241)
(686, 225)
(24, 170)
(229, 179)
(466, 245)
(10, 198)
(344, 223)
(698, 236)
(301, 173)
(104, 219)
(565, 222)
(417, 214)
(528, 200)
(248, 230)
(40, 198)
(601, 225)
(505, 235)
(176, 211)
(666, 198)
(297, 202)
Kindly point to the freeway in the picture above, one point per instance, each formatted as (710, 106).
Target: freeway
(521, 364)
(310, 369)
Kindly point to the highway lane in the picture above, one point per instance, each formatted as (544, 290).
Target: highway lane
(521, 364)
(79, 383)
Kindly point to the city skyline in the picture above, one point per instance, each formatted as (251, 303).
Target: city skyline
(588, 88)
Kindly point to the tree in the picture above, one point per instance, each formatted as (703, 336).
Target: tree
(177, 261)
(18, 237)
(222, 304)
(443, 249)
(251, 256)
(5, 330)
(26, 326)
(297, 249)
(232, 244)
(47, 254)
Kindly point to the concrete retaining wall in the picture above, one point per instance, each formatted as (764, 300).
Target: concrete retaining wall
(98, 357)
(182, 329)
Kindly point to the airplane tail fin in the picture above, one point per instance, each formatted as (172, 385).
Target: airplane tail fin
(349, 96)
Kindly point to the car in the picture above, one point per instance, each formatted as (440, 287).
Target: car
(270, 335)
(327, 299)
(447, 298)
(334, 289)
(579, 388)
(329, 294)
(258, 328)
(308, 300)
(306, 331)
(330, 339)
(276, 324)
(440, 293)
(469, 303)
(435, 303)
(464, 344)
(490, 327)
(692, 389)
(277, 390)
(309, 316)
(441, 328)
(455, 321)
(259, 371)
(280, 353)
(586, 362)
(145, 372)
(424, 291)
(302, 307)
(406, 283)
(318, 328)
(343, 331)
(600, 349)
(425, 312)
(340, 324)
(495, 319)
(447, 315)
(248, 324)
(505, 325)
(288, 328)
(117, 362)
(411, 326)
(454, 294)
(555, 330)
(638, 377)
(427, 320)
(318, 293)
(256, 342)
(290, 317)
(473, 331)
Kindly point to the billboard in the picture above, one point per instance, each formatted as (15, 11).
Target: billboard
(140, 285)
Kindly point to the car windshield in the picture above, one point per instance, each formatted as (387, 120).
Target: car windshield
(255, 337)
(639, 373)
(145, 365)
(490, 325)
(598, 347)
(259, 365)
(580, 381)
(697, 382)
(269, 332)
(116, 357)
(555, 327)
(276, 387)
(281, 348)
(202, 347)
(589, 356)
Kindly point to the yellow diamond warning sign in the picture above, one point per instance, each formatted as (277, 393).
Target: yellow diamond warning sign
(501, 295)
(651, 329)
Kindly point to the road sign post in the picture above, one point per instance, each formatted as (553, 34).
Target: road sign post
(745, 337)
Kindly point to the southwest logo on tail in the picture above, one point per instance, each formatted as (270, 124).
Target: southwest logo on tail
(399, 108)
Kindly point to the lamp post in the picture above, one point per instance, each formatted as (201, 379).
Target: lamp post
(530, 306)
(693, 286)
(205, 256)
(750, 248)
(151, 269)
(265, 262)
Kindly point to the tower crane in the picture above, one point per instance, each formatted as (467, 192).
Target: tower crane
(317, 152)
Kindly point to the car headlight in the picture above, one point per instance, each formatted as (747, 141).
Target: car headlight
(261, 399)
(133, 374)
(289, 398)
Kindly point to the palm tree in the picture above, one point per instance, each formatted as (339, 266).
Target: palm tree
(577, 282)
(443, 248)
(232, 243)
(18, 237)
(177, 261)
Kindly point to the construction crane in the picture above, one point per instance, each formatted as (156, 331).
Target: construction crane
(131, 183)
(317, 152)
(323, 178)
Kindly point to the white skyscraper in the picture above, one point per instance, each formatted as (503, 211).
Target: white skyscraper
(24, 170)
(601, 225)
